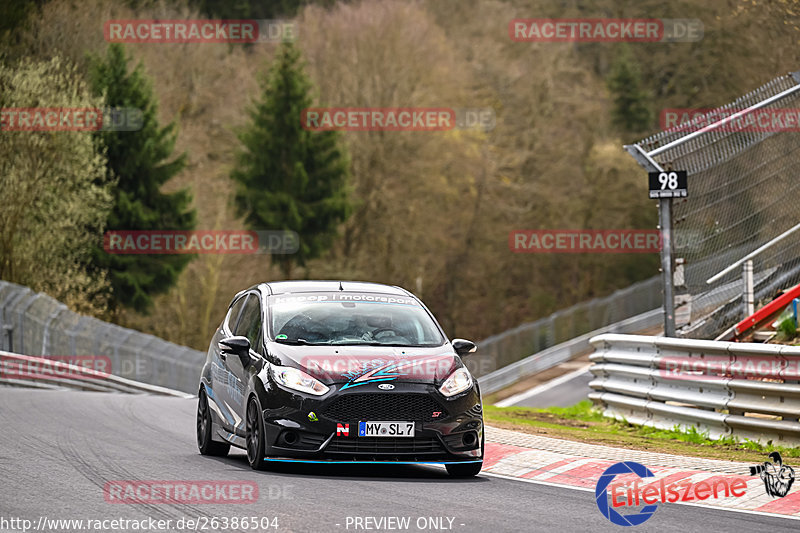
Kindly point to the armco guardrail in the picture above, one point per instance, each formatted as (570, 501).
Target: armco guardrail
(748, 391)
(565, 351)
(35, 324)
(18, 370)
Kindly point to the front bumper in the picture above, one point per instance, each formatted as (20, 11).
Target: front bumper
(445, 429)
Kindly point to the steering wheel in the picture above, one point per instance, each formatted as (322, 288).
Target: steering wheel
(397, 332)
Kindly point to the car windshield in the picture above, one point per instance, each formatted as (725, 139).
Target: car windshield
(352, 319)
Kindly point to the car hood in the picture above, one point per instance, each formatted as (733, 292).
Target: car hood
(359, 365)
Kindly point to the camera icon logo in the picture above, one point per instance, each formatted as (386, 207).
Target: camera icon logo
(777, 477)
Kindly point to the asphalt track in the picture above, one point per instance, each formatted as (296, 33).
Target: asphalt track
(59, 448)
(562, 391)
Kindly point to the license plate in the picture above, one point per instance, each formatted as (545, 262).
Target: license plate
(386, 429)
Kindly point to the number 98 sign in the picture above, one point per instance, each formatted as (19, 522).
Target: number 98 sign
(668, 184)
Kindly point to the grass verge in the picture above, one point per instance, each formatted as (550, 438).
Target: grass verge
(582, 423)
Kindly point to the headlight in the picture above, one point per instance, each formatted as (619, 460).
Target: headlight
(298, 380)
(459, 381)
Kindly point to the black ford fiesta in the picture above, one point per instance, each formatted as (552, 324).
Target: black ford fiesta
(328, 371)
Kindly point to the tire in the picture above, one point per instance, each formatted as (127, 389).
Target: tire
(464, 469)
(255, 436)
(205, 428)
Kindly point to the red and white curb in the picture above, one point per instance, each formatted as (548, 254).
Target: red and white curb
(577, 465)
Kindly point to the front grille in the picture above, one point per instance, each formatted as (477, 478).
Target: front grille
(378, 407)
(311, 440)
(385, 445)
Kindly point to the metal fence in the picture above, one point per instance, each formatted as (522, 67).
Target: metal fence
(516, 344)
(748, 391)
(555, 355)
(35, 324)
(742, 192)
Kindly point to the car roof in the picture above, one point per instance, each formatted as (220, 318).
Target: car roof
(288, 287)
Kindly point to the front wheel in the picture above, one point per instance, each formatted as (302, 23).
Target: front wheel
(255, 437)
(467, 469)
(464, 469)
(205, 443)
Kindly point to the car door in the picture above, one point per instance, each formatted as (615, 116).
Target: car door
(249, 326)
(220, 393)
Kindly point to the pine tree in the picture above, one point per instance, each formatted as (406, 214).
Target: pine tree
(631, 112)
(289, 178)
(140, 162)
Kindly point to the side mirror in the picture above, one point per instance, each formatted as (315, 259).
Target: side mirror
(236, 344)
(464, 347)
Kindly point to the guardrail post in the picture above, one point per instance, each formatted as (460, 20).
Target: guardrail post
(665, 225)
(8, 329)
(551, 330)
(747, 293)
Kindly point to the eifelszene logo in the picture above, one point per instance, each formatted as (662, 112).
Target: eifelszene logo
(624, 493)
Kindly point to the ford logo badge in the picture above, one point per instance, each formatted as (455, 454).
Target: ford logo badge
(385, 386)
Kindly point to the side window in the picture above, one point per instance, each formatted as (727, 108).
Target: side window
(233, 315)
(250, 322)
(259, 347)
